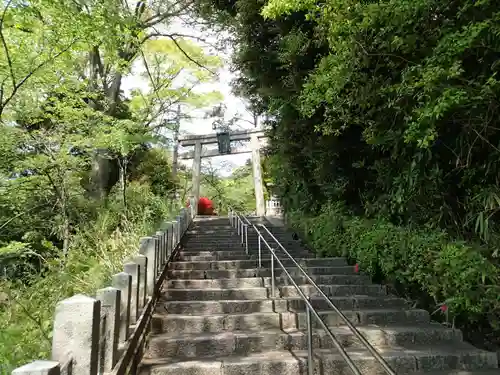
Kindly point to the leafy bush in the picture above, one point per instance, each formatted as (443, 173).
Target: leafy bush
(448, 271)
(97, 251)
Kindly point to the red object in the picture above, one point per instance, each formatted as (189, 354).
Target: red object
(444, 308)
(205, 206)
(356, 268)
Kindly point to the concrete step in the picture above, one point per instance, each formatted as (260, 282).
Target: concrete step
(249, 292)
(326, 361)
(179, 324)
(266, 281)
(207, 245)
(242, 264)
(378, 316)
(195, 324)
(255, 272)
(276, 305)
(212, 257)
(245, 343)
(236, 255)
(335, 290)
(494, 371)
(211, 294)
(220, 253)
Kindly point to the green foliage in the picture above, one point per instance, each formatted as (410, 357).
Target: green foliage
(236, 191)
(97, 251)
(390, 106)
(429, 261)
(83, 167)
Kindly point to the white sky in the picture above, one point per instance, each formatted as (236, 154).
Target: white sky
(234, 106)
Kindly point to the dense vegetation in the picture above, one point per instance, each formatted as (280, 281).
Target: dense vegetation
(385, 133)
(383, 125)
(84, 170)
(236, 191)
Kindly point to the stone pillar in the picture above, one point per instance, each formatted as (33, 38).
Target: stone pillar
(39, 368)
(197, 172)
(257, 176)
(110, 304)
(123, 282)
(133, 270)
(76, 333)
(148, 249)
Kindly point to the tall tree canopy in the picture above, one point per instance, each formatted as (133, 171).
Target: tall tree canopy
(391, 106)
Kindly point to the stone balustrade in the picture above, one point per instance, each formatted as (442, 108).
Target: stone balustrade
(273, 207)
(107, 333)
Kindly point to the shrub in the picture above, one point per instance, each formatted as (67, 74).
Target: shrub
(419, 261)
(97, 251)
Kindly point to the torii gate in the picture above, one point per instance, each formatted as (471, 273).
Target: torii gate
(199, 140)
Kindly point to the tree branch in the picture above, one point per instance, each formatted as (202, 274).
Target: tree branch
(160, 17)
(5, 47)
(18, 85)
(189, 57)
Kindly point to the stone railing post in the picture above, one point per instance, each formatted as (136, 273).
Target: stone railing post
(161, 251)
(148, 249)
(174, 235)
(123, 282)
(192, 205)
(133, 270)
(179, 228)
(170, 233)
(110, 304)
(76, 334)
(90, 334)
(39, 368)
(142, 261)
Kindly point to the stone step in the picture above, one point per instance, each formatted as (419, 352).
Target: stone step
(176, 324)
(221, 253)
(244, 343)
(235, 255)
(276, 305)
(266, 281)
(242, 264)
(215, 294)
(327, 361)
(255, 272)
(212, 257)
(265, 292)
(494, 371)
(221, 246)
(335, 290)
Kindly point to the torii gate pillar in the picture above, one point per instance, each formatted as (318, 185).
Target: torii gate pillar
(257, 176)
(199, 140)
(196, 172)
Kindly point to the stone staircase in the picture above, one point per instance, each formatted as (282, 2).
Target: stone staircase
(216, 316)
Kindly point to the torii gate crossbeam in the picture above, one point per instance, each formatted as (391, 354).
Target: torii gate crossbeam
(199, 140)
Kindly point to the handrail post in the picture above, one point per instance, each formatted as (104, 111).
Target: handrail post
(246, 238)
(260, 251)
(242, 233)
(310, 358)
(272, 273)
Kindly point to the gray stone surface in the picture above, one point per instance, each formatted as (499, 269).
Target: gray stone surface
(76, 333)
(39, 368)
(215, 316)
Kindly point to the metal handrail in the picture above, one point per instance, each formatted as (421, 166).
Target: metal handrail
(237, 220)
